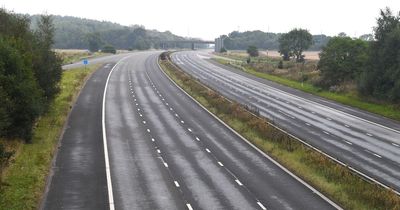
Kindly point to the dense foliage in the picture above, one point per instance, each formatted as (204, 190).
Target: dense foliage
(343, 59)
(262, 40)
(294, 43)
(381, 77)
(372, 63)
(29, 73)
(79, 33)
(252, 51)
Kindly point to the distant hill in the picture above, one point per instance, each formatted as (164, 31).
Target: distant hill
(241, 40)
(74, 33)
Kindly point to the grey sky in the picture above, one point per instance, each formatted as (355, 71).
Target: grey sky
(208, 19)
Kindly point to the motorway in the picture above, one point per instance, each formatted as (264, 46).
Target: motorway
(164, 152)
(364, 141)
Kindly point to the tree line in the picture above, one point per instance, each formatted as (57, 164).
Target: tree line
(29, 73)
(80, 33)
(373, 65)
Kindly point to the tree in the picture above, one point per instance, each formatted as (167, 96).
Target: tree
(300, 40)
(94, 42)
(367, 37)
(342, 34)
(381, 78)
(46, 63)
(294, 43)
(342, 59)
(252, 51)
(285, 46)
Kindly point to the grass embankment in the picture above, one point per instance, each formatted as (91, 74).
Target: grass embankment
(351, 98)
(25, 178)
(333, 180)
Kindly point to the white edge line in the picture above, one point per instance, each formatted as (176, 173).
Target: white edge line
(106, 158)
(261, 205)
(256, 148)
(189, 206)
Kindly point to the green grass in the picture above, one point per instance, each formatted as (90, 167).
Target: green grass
(24, 180)
(335, 181)
(387, 110)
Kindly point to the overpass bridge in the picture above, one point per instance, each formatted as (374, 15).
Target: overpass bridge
(165, 44)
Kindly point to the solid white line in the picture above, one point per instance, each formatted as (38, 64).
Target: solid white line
(219, 163)
(208, 150)
(189, 206)
(261, 205)
(106, 156)
(176, 183)
(238, 182)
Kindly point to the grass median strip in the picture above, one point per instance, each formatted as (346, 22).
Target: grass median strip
(25, 178)
(335, 181)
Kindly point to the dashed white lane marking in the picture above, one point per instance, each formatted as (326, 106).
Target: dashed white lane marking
(299, 107)
(219, 163)
(148, 130)
(327, 133)
(328, 118)
(347, 142)
(368, 134)
(238, 182)
(138, 109)
(261, 205)
(167, 104)
(197, 138)
(208, 150)
(396, 145)
(374, 154)
(176, 184)
(152, 139)
(182, 121)
(189, 206)
(170, 109)
(347, 126)
(166, 165)
(141, 115)
(313, 112)
(176, 115)
(159, 151)
(308, 124)
(190, 130)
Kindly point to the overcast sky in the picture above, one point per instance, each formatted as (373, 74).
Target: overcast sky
(208, 19)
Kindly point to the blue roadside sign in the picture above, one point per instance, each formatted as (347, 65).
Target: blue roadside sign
(85, 61)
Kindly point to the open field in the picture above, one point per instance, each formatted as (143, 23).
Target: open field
(309, 55)
(25, 178)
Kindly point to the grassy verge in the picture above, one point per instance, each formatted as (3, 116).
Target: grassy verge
(387, 110)
(24, 179)
(333, 180)
(72, 56)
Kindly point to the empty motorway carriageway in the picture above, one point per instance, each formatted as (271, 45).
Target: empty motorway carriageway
(139, 142)
(367, 143)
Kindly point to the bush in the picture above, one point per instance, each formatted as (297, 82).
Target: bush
(108, 49)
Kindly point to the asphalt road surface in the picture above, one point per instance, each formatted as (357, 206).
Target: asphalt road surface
(366, 142)
(164, 152)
